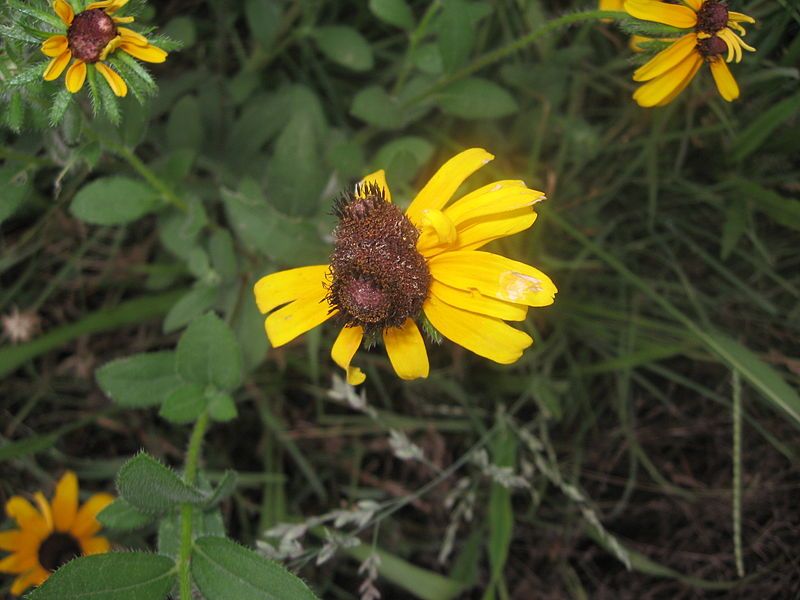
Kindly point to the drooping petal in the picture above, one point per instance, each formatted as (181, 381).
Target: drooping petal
(95, 545)
(344, 348)
(115, 82)
(494, 276)
(86, 523)
(406, 350)
(27, 517)
(675, 15)
(493, 199)
(134, 37)
(55, 46)
(485, 336)
(65, 502)
(64, 11)
(476, 302)
(480, 233)
(726, 84)
(18, 562)
(44, 509)
(285, 286)
(111, 46)
(436, 229)
(150, 54)
(123, 19)
(109, 6)
(441, 187)
(76, 75)
(10, 539)
(57, 66)
(35, 576)
(378, 178)
(667, 59)
(738, 17)
(664, 89)
(295, 319)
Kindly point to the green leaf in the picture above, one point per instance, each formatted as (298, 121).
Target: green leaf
(375, 106)
(185, 125)
(760, 375)
(29, 445)
(501, 514)
(418, 148)
(204, 523)
(224, 489)
(121, 516)
(223, 255)
(183, 30)
(223, 569)
(196, 301)
(16, 187)
(393, 12)
(784, 211)
(221, 407)
(113, 201)
(184, 404)
(262, 229)
(344, 46)
(113, 576)
(153, 488)
(139, 380)
(264, 20)
(456, 34)
(762, 128)
(734, 226)
(208, 354)
(476, 98)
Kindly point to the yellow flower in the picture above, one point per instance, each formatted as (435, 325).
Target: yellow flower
(716, 32)
(52, 535)
(89, 38)
(390, 268)
(636, 41)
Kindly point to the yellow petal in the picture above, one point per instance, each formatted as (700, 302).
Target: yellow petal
(378, 178)
(18, 562)
(65, 499)
(740, 17)
(494, 276)
(112, 45)
(667, 59)
(441, 187)
(610, 5)
(44, 509)
(285, 286)
(115, 82)
(406, 350)
(675, 15)
(344, 348)
(726, 84)
(694, 4)
(493, 199)
(485, 336)
(57, 66)
(86, 523)
(476, 302)
(664, 89)
(123, 19)
(436, 229)
(134, 37)
(109, 6)
(35, 576)
(479, 234)
(150, 54)
(10, 539)
(64, 11)
(95, 545)
(55, 46)
(27, 517)
(76, 75)
(295, 319)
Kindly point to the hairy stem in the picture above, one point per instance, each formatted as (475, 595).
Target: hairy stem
(189, 476)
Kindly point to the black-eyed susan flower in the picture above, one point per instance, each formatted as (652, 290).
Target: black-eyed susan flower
(390, 270)
(89, 38)
(713, 37)
(51, 533)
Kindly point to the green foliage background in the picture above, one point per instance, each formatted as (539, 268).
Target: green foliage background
(671, 234)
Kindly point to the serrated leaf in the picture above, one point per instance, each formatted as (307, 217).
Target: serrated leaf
(375, 106)
(153, 488)
(121, 516)
(393, 12)
(223, 569)
(139, 380)
(113, 576)
(113, 201)
(476, 98)
(184, 404)
(208, 354)
(344, 46)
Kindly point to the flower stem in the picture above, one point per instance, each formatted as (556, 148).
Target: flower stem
(149, 176)
(189, 476)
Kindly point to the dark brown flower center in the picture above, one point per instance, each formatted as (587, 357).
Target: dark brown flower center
(89, 33)
(711, 47)
(378, 278)
(58, 549)
(712, 17)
